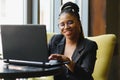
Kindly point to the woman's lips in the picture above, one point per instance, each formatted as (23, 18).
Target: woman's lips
(68, 32)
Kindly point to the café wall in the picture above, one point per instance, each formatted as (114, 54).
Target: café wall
(113, 26)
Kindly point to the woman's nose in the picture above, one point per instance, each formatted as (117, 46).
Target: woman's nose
(66, 26)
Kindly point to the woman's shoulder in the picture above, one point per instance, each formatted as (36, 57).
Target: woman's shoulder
(57, 38)
(90, 42)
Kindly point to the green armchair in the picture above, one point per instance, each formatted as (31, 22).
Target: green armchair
(105, 50)
(106, 44)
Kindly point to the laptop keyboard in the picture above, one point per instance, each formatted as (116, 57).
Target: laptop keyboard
(51, 63)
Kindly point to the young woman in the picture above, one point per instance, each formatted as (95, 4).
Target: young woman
(71, 46)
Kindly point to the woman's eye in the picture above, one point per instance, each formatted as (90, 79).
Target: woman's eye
(61, 24)
(70, 22)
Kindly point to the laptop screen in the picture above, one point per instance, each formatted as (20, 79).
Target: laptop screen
(24, 42)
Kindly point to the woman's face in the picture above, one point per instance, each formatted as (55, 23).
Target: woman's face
(69, 26)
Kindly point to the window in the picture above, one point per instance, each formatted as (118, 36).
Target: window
(64, 1)
(11, 11)
(46, 13)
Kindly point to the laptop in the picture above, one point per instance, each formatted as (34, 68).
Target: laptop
(26, 45)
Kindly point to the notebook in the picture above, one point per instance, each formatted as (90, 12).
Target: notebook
(26, 45)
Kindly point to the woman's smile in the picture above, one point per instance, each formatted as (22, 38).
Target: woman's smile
(68, 32)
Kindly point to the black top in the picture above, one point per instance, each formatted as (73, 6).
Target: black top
(84, 57)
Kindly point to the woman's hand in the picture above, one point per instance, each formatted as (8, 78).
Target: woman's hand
(60, 57)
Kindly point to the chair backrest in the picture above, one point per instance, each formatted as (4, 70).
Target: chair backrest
(106, 44)
(49, 35)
